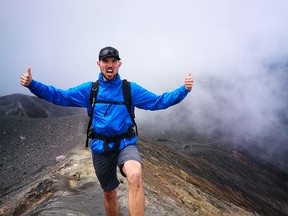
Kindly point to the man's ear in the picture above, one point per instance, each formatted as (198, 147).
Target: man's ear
(120, 63)
(98, 63)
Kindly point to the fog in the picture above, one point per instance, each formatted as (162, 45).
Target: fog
(236, 50)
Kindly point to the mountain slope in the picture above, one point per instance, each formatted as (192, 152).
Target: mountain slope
(205, 179)
(33, 107)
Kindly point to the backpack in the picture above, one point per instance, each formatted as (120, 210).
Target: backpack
(126, 89)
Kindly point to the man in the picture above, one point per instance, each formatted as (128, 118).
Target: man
(112, 120)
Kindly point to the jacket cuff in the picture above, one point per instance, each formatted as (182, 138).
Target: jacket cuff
(32, 85)
(184, 90)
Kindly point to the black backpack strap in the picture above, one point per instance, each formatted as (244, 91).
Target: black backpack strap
(126, 88)
(93, 96)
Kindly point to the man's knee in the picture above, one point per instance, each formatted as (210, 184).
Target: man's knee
(110, 195)
(135, 177)
(133, 173)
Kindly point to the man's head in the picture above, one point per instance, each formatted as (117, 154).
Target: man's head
(109, 62)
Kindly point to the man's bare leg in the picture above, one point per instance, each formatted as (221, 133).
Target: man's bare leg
(136, 197)
(111, 203)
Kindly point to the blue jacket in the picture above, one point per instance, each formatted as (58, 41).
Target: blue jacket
(117, 119)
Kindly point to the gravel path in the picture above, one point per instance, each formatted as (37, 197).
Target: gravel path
(29, 145)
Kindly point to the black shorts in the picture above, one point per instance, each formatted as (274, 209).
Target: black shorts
(105, 165)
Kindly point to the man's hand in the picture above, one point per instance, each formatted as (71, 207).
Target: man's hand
(26, 78)
(189, 82)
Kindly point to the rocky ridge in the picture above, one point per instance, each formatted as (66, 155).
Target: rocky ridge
(44, 173)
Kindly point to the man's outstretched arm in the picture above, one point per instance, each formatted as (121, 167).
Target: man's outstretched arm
(145, 99)
(76, 97)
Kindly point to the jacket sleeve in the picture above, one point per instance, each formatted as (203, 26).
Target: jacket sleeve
(78, 96)
(144, 99)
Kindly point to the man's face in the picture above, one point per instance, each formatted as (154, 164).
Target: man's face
(109, 67)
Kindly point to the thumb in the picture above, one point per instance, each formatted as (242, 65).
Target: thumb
(29, 71)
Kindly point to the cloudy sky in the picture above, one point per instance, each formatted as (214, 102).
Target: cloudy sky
(227, 45)
(159, 41)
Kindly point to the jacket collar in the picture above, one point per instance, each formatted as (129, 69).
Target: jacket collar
(116, 81)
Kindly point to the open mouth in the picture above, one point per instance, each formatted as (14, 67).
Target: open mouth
(109, 70)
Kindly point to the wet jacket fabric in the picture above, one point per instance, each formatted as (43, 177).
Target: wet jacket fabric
(109, 120)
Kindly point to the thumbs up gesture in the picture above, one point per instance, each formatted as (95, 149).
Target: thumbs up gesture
(189, 82)
(26, 78)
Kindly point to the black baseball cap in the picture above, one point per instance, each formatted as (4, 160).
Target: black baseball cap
(108, 52)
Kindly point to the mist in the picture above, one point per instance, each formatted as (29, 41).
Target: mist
(237, 52)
